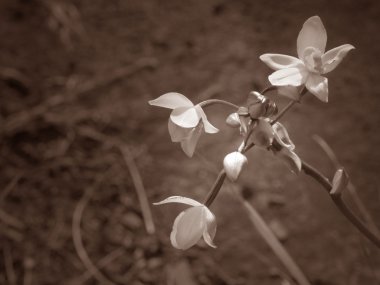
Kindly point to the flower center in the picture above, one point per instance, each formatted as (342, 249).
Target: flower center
(312, 58)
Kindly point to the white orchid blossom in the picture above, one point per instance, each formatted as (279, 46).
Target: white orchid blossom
(186, 121)
(312, 61)
(191, 224)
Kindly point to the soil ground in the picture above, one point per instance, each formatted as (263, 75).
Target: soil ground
(74, 89)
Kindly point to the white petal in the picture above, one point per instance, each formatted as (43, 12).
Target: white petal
(210, 229)
(171, 100)
(188, 144)
(334, 56)
(188, 228)
(179, 199)
(173, 233)
(186, 117)
(318, 86)
(294, 76)
(312, 34)
(178, 133)
(233, 120)
(280, 61)
(210, 129)
(282, 136)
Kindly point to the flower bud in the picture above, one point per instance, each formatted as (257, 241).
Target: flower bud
(233, 164)
(262, 133)
(233, 120)
(270, 108)
(260, 106)
(340, 182)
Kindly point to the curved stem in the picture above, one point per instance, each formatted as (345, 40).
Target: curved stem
(268, 89)
(337, 199)
(215, 188)
(217, 101)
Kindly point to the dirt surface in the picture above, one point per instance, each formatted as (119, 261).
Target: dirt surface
(75, 78)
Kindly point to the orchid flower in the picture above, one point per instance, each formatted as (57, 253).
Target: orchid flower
(283, 148)
(312, 61)
(186, 120)
(191, 224)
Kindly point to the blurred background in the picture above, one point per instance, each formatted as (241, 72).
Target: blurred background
(75, 78)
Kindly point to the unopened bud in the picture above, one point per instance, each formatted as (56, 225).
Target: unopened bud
(233, 164)
(340, 182)
(262, 133)
(233, 120)
(270, 109)
(260, 106)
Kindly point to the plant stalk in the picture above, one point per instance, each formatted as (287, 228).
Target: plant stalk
(337, 199)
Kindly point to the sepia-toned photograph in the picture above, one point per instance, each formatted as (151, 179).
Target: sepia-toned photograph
(209, 142)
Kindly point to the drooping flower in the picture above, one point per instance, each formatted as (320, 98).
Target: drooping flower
(283, 148)
(186, 121)
(191, 224)
(233, 164)
(312, 61)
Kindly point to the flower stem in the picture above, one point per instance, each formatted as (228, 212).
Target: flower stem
(268, 89)
(217, 101)
(337, 199)
(283, 111)
(215, 188)
(287, 107)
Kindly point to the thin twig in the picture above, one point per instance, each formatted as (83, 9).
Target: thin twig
(280, 251)
(78, 243)
(11, 233)
(9, 188)
(140, 189)
(337, 199)
(350, 187)
(134, 172)
(8, 263)
(10, 220)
